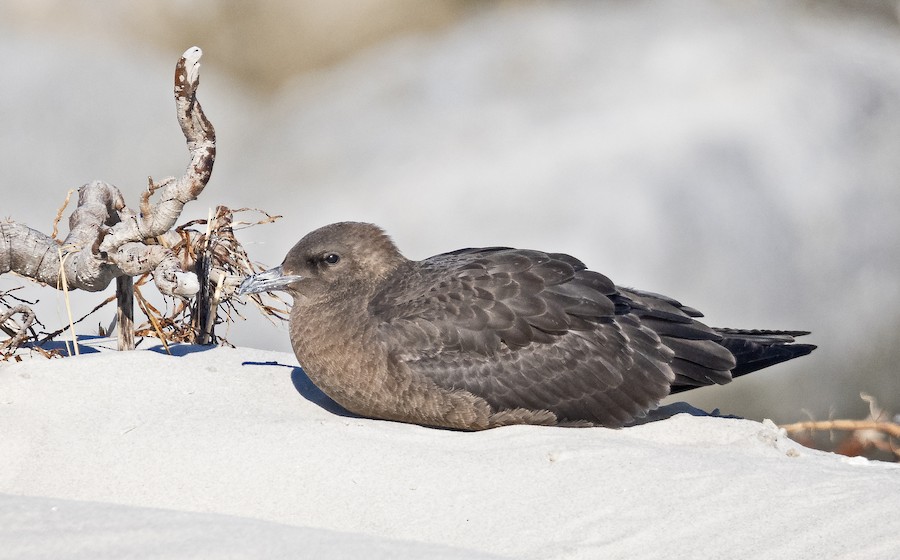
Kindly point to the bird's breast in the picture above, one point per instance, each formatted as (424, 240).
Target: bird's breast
(343, 356)
(340, 354)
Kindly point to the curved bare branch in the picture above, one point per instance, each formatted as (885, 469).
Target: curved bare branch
(201, 141)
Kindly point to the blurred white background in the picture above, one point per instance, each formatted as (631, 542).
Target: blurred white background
(743, 157)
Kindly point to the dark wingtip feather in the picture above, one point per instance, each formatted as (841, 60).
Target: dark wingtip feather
(758, 349)
(752, 350)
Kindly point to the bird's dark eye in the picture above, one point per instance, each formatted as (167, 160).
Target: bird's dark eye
(331, 258)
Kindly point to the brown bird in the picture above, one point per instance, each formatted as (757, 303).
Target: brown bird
(479, 338)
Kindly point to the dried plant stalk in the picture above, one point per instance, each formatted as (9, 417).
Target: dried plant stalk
(220, 259)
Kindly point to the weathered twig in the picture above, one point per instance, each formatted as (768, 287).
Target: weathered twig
(20, 331)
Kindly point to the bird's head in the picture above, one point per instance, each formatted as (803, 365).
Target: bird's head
(332, 261)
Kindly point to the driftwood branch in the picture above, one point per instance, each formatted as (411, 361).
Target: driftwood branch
(107, 239)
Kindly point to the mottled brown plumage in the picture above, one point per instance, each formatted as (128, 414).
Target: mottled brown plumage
(479, 338)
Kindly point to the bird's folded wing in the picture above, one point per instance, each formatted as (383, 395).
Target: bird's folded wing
(524, 329)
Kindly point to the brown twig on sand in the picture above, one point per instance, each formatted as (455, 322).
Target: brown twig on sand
(873, 432)
(888, 428)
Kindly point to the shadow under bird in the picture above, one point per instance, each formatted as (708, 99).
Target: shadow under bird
(479, 338)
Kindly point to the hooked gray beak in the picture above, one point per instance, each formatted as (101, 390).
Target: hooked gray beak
(268, 281)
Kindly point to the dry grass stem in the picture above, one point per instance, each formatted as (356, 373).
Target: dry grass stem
(212, 244)
(65, 289)
(60, 213)
(152, 313)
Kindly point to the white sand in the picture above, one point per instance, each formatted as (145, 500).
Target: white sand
(249, 464)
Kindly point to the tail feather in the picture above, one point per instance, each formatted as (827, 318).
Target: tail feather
(753, 350)
(757, 349)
